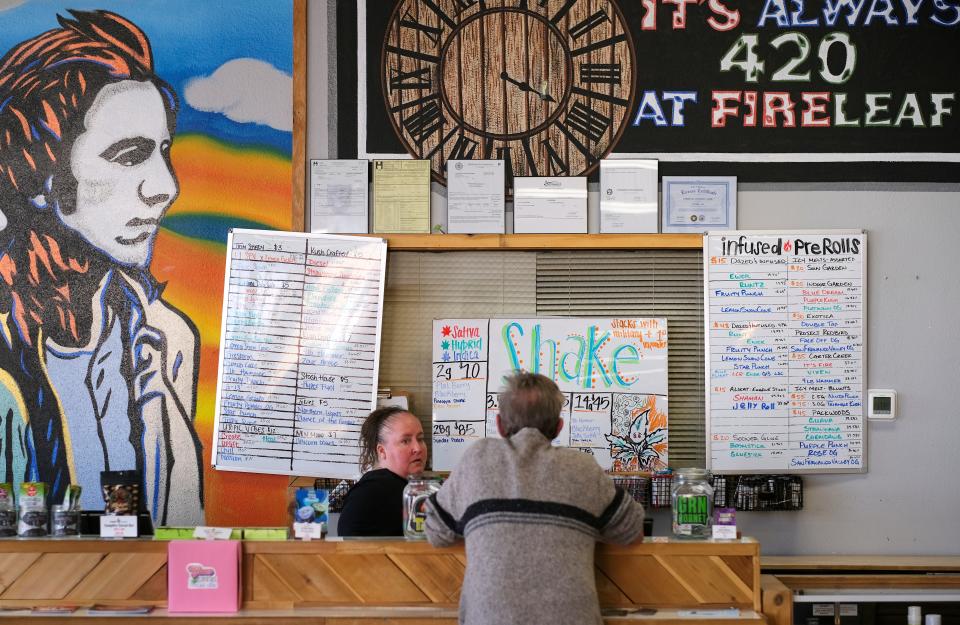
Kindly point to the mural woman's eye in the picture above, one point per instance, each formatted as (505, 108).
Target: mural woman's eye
(129, 152)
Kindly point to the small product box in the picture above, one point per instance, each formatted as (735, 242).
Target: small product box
(32, 518)
(203, 576)
(8, 512)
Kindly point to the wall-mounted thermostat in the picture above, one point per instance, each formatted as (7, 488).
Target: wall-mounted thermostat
(881, 403)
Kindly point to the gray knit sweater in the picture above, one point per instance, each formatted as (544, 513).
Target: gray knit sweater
(531, 514)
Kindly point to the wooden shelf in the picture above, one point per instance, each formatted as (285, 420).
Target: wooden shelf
(480, 242)
(861, 563)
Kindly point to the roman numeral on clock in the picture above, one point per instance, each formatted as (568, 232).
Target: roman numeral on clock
(582, 28)
(431, 32)
(463, 148)
(421, 124)
(603, 73)
(556, 166)
(413, 54)
(605, 43)
(596, 95)
(463, 5)
(531, 160)
(417, 79)
(587, 121)
(562, 11)
(503, 153)
(430, 4)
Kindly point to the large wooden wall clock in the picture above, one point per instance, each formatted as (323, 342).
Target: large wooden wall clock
(546, 85)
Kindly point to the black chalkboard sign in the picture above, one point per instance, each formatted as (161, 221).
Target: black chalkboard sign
(793, 90)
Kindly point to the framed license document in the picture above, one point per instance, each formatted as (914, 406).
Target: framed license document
(401, 196)
(628, 195)
(699, 203)
(550, 205)
(338, 195)
(475, 197)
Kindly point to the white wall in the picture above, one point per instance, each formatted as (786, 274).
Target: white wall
(909, 500)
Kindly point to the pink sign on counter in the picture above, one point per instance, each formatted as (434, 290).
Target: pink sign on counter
(203, 576)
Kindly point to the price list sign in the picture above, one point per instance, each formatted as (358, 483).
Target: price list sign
(612, 372)
(785, 327)
(299, 351)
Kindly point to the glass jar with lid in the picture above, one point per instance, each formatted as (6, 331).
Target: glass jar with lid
(415, 495)
(691, 500)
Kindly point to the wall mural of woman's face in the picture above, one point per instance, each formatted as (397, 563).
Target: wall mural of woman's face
(121, 162)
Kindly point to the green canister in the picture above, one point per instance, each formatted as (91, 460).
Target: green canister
(691, 500)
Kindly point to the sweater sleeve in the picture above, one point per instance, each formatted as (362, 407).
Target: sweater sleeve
(442, 526)
(622, 520)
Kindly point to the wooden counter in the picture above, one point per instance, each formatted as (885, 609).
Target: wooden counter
(359, 582)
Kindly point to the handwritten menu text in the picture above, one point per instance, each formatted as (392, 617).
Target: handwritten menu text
(299, 352)
(785, 330)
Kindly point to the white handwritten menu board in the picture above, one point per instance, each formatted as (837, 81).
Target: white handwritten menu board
(785, 326)
(299, 348)
(612, 371)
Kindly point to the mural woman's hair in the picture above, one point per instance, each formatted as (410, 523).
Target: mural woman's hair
(48, 82)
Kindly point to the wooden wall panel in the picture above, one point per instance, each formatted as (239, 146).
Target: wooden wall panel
(368, 579)
(12, 566)
(309, 577)
(119, 576)
(52, 576)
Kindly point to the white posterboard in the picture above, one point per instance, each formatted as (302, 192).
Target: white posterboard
(612, 371)
(786, 351)
(299, 348)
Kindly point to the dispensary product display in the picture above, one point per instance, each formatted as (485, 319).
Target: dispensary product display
(32, 509)
(691, 501)
(8, 511)
(312, 506)
(121, 491)
(415, 496)
(65, 516)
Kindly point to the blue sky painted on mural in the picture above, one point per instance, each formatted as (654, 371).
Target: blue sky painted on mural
(190, 39)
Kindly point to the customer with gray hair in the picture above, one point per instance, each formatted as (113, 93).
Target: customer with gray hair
(531, 514)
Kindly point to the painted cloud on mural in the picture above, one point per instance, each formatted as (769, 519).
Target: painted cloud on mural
(245, 90)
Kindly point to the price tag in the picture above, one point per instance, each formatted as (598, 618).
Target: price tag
(725, 532)
(212, 533)
(308, 531)
(118, 526)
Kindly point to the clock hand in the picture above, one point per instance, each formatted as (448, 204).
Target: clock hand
(525, 86)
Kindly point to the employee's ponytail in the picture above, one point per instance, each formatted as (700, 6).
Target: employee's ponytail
(371, 433)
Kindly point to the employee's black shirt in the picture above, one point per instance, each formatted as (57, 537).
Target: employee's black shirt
(374, 506)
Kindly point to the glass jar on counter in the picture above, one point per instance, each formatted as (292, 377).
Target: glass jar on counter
(691, 499)
(415, 496)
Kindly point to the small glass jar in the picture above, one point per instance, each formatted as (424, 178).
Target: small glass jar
(691, 499)
(64, 520)
(415, 496)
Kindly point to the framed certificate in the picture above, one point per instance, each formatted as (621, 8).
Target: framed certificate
(550, 205)
(628, 195)
(338, 196)
(699, 203)
(401, 196)
(475, 197)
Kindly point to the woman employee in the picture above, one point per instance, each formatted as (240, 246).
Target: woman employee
(391, 444)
